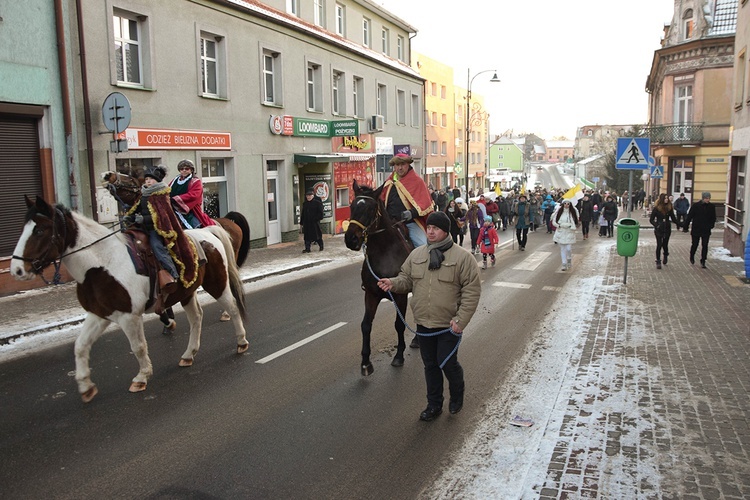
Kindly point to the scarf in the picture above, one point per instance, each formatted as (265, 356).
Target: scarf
(148, 191)
(436, 252)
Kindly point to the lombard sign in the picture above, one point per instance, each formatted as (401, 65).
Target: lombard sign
(305, 127)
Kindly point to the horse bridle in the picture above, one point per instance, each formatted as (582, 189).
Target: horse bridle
(367, 230)
(132, 186)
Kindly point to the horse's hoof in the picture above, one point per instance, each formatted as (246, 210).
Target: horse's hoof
(367, 369)
(225, 316)
(186, 362)
(241, 349)
(414, 343)
(137, 387)
(397, 362)
(87, 396)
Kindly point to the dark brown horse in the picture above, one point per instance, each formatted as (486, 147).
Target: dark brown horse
(386, 249)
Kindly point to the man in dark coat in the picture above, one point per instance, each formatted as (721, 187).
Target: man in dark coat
(703, 217)
(309, 219)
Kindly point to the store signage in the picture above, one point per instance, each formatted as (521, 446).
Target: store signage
(304, 127)
(151, 138)
(714, 160)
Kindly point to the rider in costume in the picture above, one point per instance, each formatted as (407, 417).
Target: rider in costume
(187, 197)
(410, 201)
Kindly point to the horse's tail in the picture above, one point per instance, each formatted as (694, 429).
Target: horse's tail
(241, 221)
(235, 282)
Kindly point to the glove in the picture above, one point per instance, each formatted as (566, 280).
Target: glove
(406, 215)
(139, 219)
(128, 220)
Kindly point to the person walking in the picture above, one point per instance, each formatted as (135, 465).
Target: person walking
(487, 240)
(309, 218)
(703, 217)
(609, 211)
(457, 218)
(504, 211)
(566, 222)
(548, 207)
(660, 218)
(522, 213)
(586, 214)
(681, 207)
(406, 198)
(442, 303)
(474, 219)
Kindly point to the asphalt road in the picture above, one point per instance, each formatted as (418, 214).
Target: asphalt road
(304, 424)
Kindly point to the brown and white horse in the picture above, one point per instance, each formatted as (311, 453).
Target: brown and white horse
(110, 290)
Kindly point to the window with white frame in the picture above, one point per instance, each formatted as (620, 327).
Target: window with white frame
(338, 97)
(382, 101)
(739, 80)
(366, 36)
(433, 119)
(687, 24)
(314, 87)
(340, 20)
(385, 41)
(213, 68)
(320, 13)
(129, 52)
(400, 47)
(272, 77)
(358, 95)
(292, 7)
(415, 110)
(400, 107)
(214, 177)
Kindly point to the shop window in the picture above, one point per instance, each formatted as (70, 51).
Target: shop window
(214, 177)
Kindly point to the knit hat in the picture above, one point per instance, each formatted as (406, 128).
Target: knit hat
(487, 218)
(440, 220)
(706, 194)
(158, 172)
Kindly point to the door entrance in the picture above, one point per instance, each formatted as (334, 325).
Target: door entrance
(272, 201)
(681, 173)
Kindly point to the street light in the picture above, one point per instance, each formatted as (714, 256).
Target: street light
(469, 81)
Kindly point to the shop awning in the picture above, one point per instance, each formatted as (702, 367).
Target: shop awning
(320, 158)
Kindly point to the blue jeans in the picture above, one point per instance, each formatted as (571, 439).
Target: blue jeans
(161, 253)
(416, 234)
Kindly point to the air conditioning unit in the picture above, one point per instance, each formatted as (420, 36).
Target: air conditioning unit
(376, 123)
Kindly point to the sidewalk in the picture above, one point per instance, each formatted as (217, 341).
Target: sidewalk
(641, 391)
(54, 308)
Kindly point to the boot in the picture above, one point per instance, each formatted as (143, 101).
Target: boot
(484, 264)
(167, 283)
(320, 244)
(665, 259)
(658, 264)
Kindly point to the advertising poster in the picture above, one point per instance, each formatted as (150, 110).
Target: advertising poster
(320, 184)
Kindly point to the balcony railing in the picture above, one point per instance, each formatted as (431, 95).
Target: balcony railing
(674, 133)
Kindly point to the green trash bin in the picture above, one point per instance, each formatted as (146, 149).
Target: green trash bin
(627, 236)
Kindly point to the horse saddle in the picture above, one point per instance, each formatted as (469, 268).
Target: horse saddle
(139, 249)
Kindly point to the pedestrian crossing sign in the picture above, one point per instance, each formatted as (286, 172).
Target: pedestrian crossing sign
(632, 153)
(657, 172)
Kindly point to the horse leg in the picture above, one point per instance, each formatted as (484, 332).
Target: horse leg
(230, 307)
(93, 327)
(371, 306)
(398, 359)
(132, 325)
(194, 313)
(167, 318)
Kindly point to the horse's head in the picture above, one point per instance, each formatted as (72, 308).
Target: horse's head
(125, 188)
(364, 214)
(44, 238)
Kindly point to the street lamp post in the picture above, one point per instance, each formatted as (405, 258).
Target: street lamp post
(469, 81)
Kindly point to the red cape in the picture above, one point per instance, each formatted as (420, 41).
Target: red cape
(413, 193)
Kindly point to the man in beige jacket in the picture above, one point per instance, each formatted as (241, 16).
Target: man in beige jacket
(445, 285)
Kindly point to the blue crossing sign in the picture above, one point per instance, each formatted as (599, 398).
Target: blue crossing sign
(632, 153)
(657, 172)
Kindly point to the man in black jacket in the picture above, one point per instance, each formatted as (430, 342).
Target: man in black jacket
(703, 217)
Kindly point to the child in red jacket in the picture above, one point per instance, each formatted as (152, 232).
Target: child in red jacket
(487, 240)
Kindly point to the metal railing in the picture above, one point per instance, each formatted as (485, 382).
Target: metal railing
(733, 217)
(674, 133)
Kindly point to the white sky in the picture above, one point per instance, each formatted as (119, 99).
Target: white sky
(562, 64)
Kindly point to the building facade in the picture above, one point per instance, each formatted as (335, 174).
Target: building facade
(505, 163)
(737, 220)
(690, 88)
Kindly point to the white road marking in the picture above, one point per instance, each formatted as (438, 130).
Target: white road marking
(300, 343)
(533, 261)
(551, 288)
(508, 284)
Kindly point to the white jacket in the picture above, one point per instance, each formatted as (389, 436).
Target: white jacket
(566, 227)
